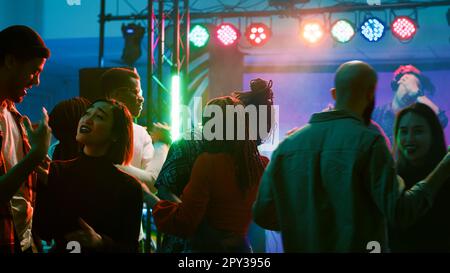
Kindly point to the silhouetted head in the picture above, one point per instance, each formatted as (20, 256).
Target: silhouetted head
(261, 94)
(424, 82)
(123, 85)
(63, 120)
(23, 54)
(355, 85)
(408, 84)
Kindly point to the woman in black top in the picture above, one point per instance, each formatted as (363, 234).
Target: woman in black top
(88, 200)
(420, 146)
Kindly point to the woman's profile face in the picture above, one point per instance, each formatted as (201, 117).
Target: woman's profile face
(414, 137)
(95, 126)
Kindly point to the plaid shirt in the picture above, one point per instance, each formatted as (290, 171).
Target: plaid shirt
(7, 232)
(176, 170)
(175, 174)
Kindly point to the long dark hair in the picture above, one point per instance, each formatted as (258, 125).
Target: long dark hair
(245, 154)
(121, 151)
(435, 154)
(63, 120)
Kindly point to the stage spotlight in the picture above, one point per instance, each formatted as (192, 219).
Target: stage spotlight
(258, 34)
(342, 31)
(199, 36)
(372, 29)
(227, 34)
(133, 35)
(312, 32)
(404, 28)
(175, 111)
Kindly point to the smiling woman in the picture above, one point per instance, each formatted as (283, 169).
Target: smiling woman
(103, 124)
(419, 146)
(88, 199)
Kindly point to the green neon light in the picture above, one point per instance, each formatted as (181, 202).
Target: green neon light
(175, 108)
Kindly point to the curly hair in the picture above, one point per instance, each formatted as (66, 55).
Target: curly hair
(261, 94)
(245, 154)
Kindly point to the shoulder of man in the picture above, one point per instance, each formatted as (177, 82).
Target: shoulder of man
(140, 131)
(353, 129)
(13, 110)
(17, 117)
(139, 128)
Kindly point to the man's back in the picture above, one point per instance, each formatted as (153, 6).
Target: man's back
(321, 186)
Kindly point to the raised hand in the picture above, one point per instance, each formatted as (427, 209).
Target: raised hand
(40, 137)
(86, 236)
(429, 103)
(411, 84)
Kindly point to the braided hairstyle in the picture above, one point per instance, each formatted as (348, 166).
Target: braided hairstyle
(261, 94)
(245, 154)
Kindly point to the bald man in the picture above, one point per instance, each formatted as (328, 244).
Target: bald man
(332, 186)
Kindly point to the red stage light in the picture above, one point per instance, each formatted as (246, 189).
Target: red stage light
(227, 34)
(258, 34)
(404, 28)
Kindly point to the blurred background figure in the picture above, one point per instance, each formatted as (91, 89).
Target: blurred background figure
(409, 86)
(124, 85)
(160, 134)
(63, 120)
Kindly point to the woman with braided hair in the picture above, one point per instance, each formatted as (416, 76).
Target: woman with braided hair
(261, 95)
(177, 168)
(215, 209)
